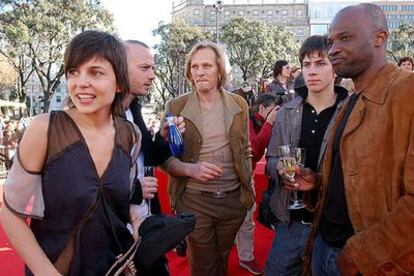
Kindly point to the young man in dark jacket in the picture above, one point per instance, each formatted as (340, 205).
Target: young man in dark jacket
(303, 122)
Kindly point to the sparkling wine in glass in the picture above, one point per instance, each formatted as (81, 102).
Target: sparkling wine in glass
(289, 166)
(218, 159)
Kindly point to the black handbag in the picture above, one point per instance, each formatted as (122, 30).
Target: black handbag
(265, 215)
(158, 234)
(161, 233)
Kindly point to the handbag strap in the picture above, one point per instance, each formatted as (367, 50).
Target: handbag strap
(125, 260)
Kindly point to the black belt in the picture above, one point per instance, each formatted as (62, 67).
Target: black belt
(216, 194)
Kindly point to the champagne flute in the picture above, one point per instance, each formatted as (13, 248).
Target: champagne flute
(218, 159)
(300, 155)
(148, 171)
(290, 157)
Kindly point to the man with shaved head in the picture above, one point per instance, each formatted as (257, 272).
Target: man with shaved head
(365, 220)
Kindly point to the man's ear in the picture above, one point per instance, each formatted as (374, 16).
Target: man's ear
(381, 38)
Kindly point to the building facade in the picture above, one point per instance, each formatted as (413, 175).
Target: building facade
(302, 17)
(397, 12)
(321, 13)
(293, 14)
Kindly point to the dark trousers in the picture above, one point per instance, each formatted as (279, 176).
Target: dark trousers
(324, 258)
(217, 223)
(288, 248)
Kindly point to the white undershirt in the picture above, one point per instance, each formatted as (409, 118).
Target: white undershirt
(143, 207)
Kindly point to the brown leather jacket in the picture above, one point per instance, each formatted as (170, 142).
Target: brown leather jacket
(377, 153)
(236, 120)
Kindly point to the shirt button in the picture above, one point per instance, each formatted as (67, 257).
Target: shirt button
(313, 111)
(313, 131)
(316, 120)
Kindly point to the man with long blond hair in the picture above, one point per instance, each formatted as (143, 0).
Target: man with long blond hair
(217, 136)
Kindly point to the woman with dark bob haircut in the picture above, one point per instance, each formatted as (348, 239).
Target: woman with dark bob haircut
(73, 170)
(282, 84)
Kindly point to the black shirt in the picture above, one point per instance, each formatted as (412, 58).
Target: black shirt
(313, 130)
(336, 226)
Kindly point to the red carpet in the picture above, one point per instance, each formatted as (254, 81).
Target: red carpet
(12, 265)
(262, 243)
(10, 262)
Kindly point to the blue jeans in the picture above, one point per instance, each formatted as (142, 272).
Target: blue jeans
(288, 249)
(324, 258)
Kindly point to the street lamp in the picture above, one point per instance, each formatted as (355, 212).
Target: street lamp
(217, 8)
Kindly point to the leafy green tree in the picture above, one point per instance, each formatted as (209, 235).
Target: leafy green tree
(34, 34)
(177, 38)
(401, 42)
(254, 46)
(8, 76)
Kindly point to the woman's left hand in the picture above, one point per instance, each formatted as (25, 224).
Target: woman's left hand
(135, 219)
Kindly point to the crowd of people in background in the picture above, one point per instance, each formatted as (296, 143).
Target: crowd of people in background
(346, 209)
(11, 132)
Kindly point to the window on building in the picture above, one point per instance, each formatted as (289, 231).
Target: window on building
(196, 12)
(319, 29)
(316, 13)
(408, 8)
(270, 12)
(58, 99)
(299, 12)
(241, 13)
(255, 12)
(227, 13)
(284, 12)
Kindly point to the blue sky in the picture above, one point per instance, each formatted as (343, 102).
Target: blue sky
(136, 19)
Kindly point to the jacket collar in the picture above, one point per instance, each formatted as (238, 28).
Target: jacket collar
(192, 110)
(378, 89)
(341, 92)
(231, 108)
